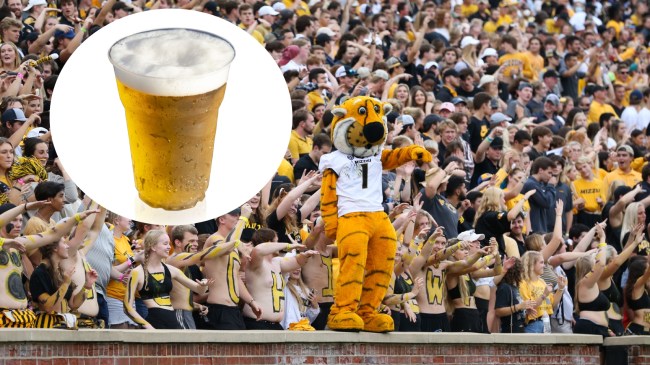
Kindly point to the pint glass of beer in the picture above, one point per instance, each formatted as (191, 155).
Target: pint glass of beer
(171, 83)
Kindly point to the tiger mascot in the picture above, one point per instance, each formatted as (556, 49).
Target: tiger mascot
(351, 206)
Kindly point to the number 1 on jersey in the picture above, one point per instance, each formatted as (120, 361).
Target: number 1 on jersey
(364, 175)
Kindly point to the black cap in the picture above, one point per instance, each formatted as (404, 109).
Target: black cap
(497, 142)
(120, 5)
(390, 117)
(212, 7)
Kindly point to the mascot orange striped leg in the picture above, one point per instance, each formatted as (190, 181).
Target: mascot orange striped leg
(363, 279)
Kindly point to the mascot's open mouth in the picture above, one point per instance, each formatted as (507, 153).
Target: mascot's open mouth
(342, 140)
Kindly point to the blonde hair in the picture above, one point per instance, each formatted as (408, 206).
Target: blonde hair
(150, 240)
(630, 218)
(583, 267)
(535, 242)
(528, 261)
(291, 285)
(491, 202)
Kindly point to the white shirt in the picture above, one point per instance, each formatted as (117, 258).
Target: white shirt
(359, 186)
(643, 120)
(631, 117)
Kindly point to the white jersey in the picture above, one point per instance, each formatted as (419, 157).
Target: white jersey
(359, 181)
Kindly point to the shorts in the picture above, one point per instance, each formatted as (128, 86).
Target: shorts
(185, 319)
(321, 320)
(163, 319)
(17, 318)
(616, 325)
(466, 320)
(397, 318)
(483, 306)
(116, 313)
(103, 308)
(254, 324)
(405, 324)
(223, 317)
(638, 329)
(587, 327)
(435, 322)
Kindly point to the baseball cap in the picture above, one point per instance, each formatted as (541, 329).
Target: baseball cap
(468, 41)
(13, 114)
(345, 71)
(363, 72)
(497, 118)
(625, 148)
(405, 119)
(325, 30)
(33, 3)
(430, 64)
(382, 74)
(447, 106)
(267, 10)
(552, 54)
(212, 7)
(486, 79)
(37, 132)
(636, 95)
(458, 100)
(494, 103)
(552, 98)
(489, 52)
(597, 87)
(393, 62)
(279, 6)
(431, 173)
(497, 143)
(470, 236)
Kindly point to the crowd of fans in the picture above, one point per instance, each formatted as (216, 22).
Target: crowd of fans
(530, 218)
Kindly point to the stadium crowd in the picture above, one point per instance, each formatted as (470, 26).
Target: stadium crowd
(532, 216)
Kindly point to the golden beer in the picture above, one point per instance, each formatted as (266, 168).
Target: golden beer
(171, 83)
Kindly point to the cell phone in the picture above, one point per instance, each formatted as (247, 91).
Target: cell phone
(9, 227)
(364, 91)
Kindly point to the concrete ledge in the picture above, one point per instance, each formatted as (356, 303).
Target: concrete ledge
(274, 337)
(627, 341)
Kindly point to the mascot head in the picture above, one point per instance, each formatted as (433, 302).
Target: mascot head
(359, 126)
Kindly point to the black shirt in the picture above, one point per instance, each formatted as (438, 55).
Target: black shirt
(41, 282)
(279, 227)
(445, 95)
(478, 129)
(493, 224)
(304, 164)
(508, 296)
(443, 212)
(484, 167)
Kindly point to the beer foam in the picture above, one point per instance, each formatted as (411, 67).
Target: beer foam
(172, 62)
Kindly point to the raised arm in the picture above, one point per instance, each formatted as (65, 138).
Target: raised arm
(626, 199)
(285, 205)
(95, 229)
(186, 259)
(633, 241)
(557, 239)
(199, 286)
(512, 213)
(592, 277)
(310, 204)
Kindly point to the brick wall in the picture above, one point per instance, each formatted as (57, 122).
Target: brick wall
(638, 348)
(132, 348)
(204, 354)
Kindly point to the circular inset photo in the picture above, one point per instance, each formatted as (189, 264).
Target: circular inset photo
(181, 117)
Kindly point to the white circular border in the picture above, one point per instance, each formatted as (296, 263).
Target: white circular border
(89, 127)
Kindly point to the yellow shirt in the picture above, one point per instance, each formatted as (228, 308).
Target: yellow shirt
(468, 10)
(257, 35)
(536, 62)
(303, 9)
(512, 202)
(315, 97)
(501, 176)
(490, 26)
(597, 109)
(533, 291)
(116, 289)
(299, 146)
(590, 191)
(286, 169)
(630, 179)
(520, 60)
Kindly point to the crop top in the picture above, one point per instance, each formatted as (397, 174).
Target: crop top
(156, 288)
(600, 304)
(454, 293)
(642, 303)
